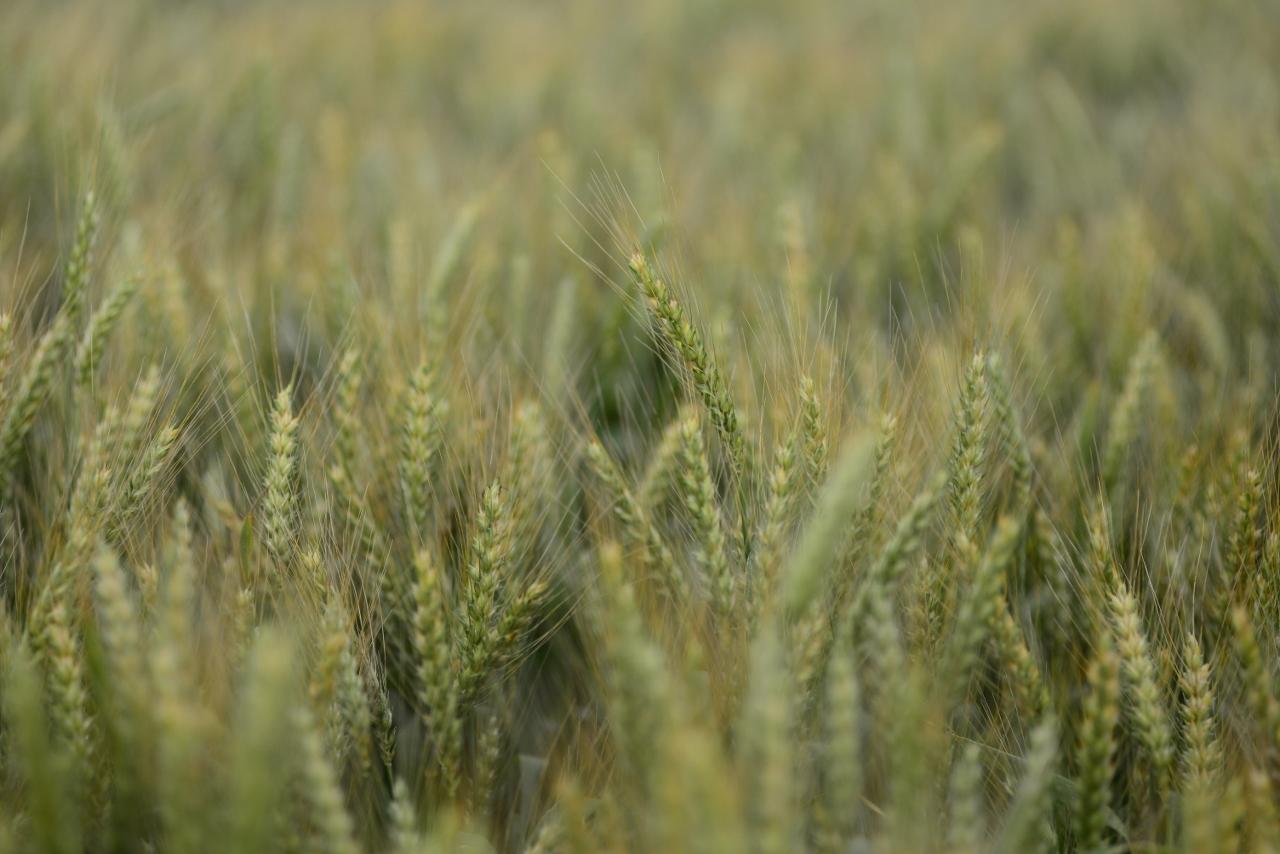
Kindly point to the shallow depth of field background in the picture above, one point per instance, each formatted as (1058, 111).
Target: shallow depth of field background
(943, 518)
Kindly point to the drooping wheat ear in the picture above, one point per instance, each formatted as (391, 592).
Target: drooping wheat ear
(1010, 437)
(637, 529)
(489, 564)
(53, 813)
(1127, 415)
(783, 490)
(420, 435)
(1256, 677)
(967, 825)
(678, 333)
(280, 501)
(699, 493)
(333, 831)
(664, 463)
(978, 609)
(1096, 752)
(346, 415)
(767, 757)
(101, 325)
(1029, 826)
(76, 276)
(814, 421)
(432, 647)
(33, 391)
(843, 731)
(1202, 754)
(967, 457)
(1145, 702)
(842, 494)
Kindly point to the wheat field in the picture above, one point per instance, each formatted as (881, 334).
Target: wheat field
(664, 427)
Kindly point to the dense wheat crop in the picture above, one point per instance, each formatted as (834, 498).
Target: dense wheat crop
(658, 427)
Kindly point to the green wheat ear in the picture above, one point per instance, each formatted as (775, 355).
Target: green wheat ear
(1145, 699)
(841, 496)
(1029, 826)
(1126, 417)
(43, 764)
(1202, 755)
(1097, 746)
(280, 501)
(703, 504)
(101, 325)
(680, 337)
